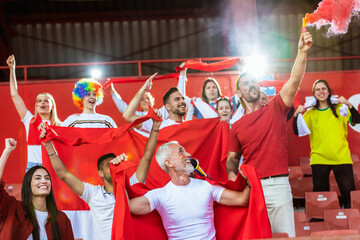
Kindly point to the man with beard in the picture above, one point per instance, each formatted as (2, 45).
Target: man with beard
(101, 199)
(260, 135)
(185, 204)
(173, 101)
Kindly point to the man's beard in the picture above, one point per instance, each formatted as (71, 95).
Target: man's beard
(179, 113)
(252, 98)
(187, 169)
(108, 179)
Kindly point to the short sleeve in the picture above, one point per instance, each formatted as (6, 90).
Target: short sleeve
(234, 144)
(306, 117)
(88, 192)
(216, 192)
(153, 197)
(279, 106)
(26, 121)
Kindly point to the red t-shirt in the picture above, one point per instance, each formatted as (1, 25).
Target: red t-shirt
(261, 138)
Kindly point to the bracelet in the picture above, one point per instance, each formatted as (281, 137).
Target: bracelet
(52, 154)
(155, 130)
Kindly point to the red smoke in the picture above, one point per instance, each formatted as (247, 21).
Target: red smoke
(336, 13)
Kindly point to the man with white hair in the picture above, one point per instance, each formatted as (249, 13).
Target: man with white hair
(185, 204)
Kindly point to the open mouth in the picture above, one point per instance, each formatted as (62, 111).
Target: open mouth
(43, 187)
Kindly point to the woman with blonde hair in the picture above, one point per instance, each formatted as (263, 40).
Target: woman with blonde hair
(45, 111)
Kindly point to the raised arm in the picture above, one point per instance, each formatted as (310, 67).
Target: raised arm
(129, 114)
(61, 171)
(10, 145)
(232, 165)
(144, 164)
(289, 89)
(182, 80)
(17, 100)
(120, 104)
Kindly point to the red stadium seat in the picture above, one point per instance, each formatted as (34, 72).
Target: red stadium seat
(305, 229)
(295, 172)
(299, 186)
(14, 190)
(317, 202)
(334, 232)
(337, 219)
(354, 224)
(300, 217)
(355, 199)
(305, 165)
(279, 235)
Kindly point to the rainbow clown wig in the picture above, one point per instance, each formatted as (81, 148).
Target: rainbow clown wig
(82, 87)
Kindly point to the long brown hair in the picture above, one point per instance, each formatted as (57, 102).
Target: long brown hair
(331, 105)
(26, 197)
(203, 95)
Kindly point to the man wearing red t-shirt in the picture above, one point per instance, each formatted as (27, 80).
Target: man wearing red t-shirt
(260, 135)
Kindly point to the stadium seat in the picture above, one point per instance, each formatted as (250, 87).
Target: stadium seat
(300, 217)
(354, 224)
(295, 172)
(305, 165)
(337, 219)
(305, 229)
(279, 235)
(334, 232)
(317, 202)
(14, 190)
(355, 199)
(300, 185)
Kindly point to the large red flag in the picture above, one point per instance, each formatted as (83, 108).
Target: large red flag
(205, 139)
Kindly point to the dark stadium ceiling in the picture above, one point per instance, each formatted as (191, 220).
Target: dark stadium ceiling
(16, 11)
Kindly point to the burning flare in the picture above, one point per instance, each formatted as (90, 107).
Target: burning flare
(336, 13)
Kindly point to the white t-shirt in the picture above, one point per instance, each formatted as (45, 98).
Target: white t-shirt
(33, 151)
(101, 205)
(41, 219)
(147, 126)
(186, 211)
(85, 120)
